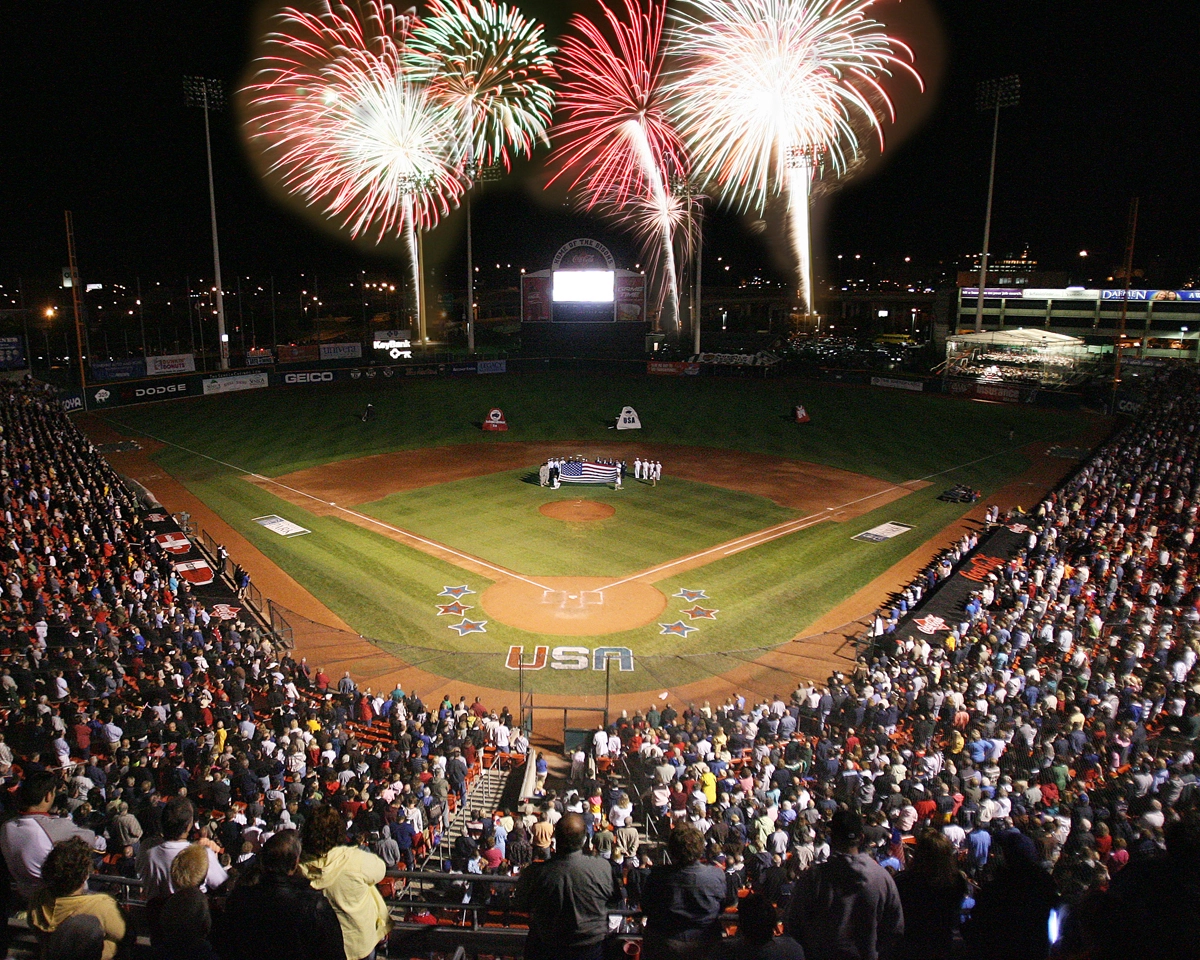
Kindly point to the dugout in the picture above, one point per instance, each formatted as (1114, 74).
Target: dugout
(584, 306)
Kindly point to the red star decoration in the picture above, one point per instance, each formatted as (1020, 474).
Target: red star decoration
(455, 609)
(700, 613)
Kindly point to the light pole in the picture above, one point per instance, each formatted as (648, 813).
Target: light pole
(686, 189)
(992, 95)
(206, 93)
(804, 162)
(411, 186)
(476, 172)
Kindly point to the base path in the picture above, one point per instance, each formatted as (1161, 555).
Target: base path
(582, 606)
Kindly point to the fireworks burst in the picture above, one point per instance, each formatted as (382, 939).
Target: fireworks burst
(616, 140)
(346, 127)
(765, 87)
(491, 67)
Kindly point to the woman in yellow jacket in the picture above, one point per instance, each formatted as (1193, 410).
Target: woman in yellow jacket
(347, 877)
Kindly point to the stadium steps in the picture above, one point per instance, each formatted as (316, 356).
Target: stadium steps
(482, 799)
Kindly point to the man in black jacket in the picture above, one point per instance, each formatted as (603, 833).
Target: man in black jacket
(275, 914)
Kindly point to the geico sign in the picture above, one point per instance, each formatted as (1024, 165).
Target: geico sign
(320, 376)
(569, 658)
(159, 391)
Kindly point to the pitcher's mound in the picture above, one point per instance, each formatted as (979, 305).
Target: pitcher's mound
(576, 511)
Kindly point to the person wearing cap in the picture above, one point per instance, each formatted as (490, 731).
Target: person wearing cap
(847, 906)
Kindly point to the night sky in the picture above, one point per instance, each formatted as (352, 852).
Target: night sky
(93, 118)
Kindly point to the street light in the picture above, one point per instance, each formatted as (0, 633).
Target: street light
(992, 95)
(684, 188)
(207, 94)
(475, 172)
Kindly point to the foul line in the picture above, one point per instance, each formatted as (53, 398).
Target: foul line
(346, 510)
(763, 537)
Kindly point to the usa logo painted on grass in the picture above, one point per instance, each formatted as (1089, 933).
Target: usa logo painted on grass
(570, 658)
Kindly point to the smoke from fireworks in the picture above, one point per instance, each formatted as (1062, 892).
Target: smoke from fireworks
(764, 88)
(616, 141)
(489, 65)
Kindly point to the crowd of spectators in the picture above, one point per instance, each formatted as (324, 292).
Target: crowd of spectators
(140, 727)
(1032, 769)
(1025, 783)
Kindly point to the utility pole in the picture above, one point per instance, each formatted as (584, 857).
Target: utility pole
(992, 95)
(1130, 237)
(207, 94)
(76, 303)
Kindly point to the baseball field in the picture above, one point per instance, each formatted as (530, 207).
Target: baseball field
(434, 540)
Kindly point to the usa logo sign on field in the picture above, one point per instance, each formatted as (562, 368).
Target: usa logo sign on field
(570, 658)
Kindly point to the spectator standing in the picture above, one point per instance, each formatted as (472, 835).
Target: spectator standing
(848, 906)
(28, 839)
(347, 877)
(683, 900)
(275, 914)
(567, 898)
(756, 940)
(931, 889)
(154, 862)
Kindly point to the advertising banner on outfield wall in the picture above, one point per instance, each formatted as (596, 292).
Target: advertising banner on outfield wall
(305, 377)
(242, 381)
(145, 392)
(492, 366)
(171, 363)
(306, 353)
(118, 369)
(894, 383)
(259, 357)
(672, 368)
(341, 351)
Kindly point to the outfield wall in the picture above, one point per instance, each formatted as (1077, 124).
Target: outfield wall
(102, 396)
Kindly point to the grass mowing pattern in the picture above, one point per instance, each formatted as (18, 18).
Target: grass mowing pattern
(889, 434)
(766, 595)
(496, 518)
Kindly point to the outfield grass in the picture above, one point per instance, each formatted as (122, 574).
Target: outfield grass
(889, 434)
(496, 517)
(765, 595)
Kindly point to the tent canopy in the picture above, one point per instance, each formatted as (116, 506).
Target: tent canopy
(1016, 337)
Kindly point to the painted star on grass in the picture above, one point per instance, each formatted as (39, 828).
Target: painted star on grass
(452, 609)
(700, 613)
(469, 626)
(691, 596)
(676, 629)
(456, 592)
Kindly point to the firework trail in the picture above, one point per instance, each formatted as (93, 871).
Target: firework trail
(492, 68)
(615, 139)
(766, 89)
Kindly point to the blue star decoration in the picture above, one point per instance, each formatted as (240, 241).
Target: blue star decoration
(456, 592)
(469, 626)
(453, 609)
(700, 613)
(676, 629)
(691, 596)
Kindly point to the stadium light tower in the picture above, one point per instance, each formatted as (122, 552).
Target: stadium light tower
(477, 173)
(207, 94)
(992, 95)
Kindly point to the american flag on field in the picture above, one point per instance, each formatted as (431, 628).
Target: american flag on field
(586, 472)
